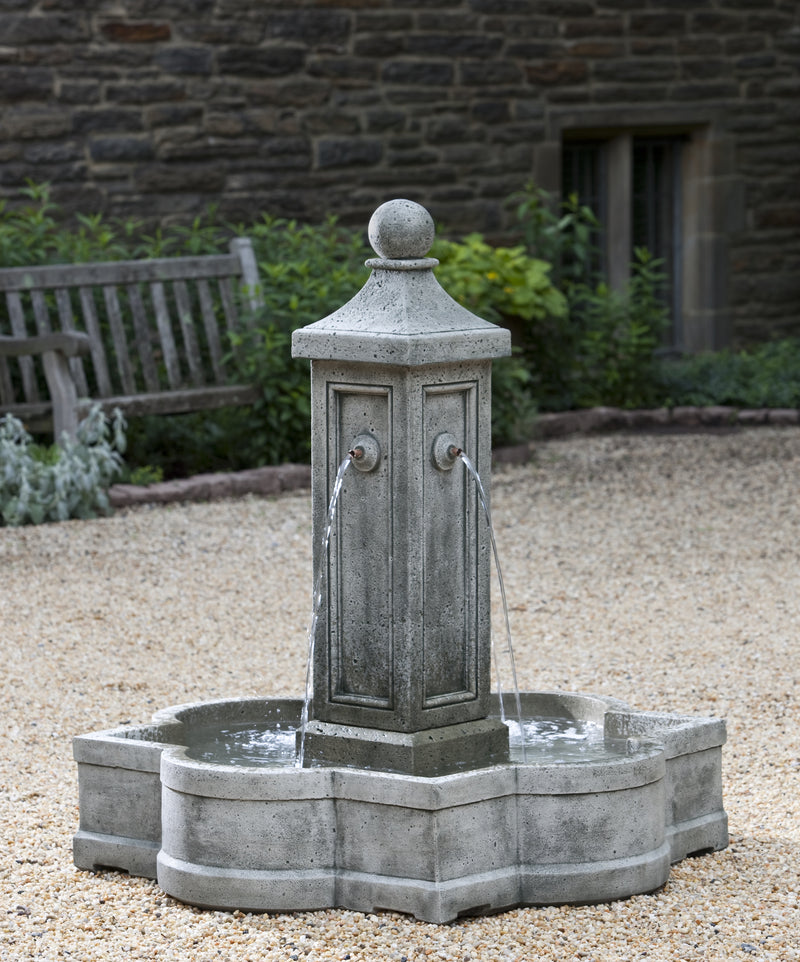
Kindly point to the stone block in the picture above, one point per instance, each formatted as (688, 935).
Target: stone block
(266, 61)
(202, 176)
(642, 69)
(311, 27)
(716, 21)
(557, 72)
(418, 72)
(54, 152)
(105, 150)
(185, 60)
(350, 70)
(657, 24)
(33, 122)
(718, 416)
(108, 120)
(21, 83)
(264, 481)
(145, 92)
(748, 417)
(384, 119)
(348, 152)
(118, 31)
(598, 419)
(78, 92)
(594, 26)
(22, 30)
(686, 416)
(490, 111)
(488, 73)
(784, 417)
(379, 45)
(385, 21)
(558, 424)
(648, 418)
(171, 115)
(476, 45)
(220, 33)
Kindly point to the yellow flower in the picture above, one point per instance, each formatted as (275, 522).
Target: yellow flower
(492, 276)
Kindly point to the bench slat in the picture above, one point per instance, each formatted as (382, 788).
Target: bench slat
(7, 398)
(142, 332)
(119, 272)
(183, 401)
(212, 331)
(118, 337)
(26, 369)
(183, 306)
(67, 321)
(40, 313)
(165, 335)
(228, 304)
(98, 351)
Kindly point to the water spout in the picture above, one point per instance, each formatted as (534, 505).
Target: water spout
(458, 453)
(353, 457)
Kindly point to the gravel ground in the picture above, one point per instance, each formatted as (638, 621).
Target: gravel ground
(662, 570)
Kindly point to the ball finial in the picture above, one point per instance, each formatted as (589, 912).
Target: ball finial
(401, 230)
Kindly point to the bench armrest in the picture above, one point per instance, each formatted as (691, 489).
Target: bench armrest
(68, 343)
(55, 350)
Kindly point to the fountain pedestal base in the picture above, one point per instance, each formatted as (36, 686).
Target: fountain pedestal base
(429, 753)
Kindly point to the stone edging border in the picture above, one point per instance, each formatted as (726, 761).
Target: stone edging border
(211, 487)
(274, 480)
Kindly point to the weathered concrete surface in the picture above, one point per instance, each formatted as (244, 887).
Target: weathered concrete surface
(403, 643)
(279, 839)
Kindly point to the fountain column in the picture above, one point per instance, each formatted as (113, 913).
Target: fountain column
(401, 376)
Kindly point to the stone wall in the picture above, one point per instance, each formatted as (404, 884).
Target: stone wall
(155, 108)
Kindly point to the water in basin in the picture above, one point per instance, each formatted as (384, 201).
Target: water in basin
(272, 743)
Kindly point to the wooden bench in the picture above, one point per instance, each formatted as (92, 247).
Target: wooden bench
(146, 336)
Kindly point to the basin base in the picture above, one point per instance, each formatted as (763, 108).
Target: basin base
(436, 751)
(281, 838)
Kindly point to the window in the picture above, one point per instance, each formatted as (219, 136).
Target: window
(633, 185)
(669, 183)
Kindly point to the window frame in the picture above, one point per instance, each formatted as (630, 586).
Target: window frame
(711, 202)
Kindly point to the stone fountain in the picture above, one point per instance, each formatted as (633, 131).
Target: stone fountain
(411, 797)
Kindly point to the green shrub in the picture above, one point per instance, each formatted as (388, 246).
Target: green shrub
(506, 286)
(602, 349)
(37, 233)
(59, 482)
(497, 283)
(766, 376)
(621, 332)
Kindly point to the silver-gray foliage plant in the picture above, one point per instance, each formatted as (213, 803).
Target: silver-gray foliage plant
(69, 481)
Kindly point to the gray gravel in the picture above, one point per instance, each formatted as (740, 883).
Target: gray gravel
(660, 570)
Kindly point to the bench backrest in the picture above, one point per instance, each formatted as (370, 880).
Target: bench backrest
(155, 325)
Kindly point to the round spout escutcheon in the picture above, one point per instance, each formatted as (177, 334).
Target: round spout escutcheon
(445, 451)
(365, 453)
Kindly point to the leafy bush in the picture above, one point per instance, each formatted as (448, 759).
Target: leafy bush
(602, 349)
(37, 234)
(622, 331)
(497, 283)
(506, 286)
(766, 376)
(514, 408)
(59, 482)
